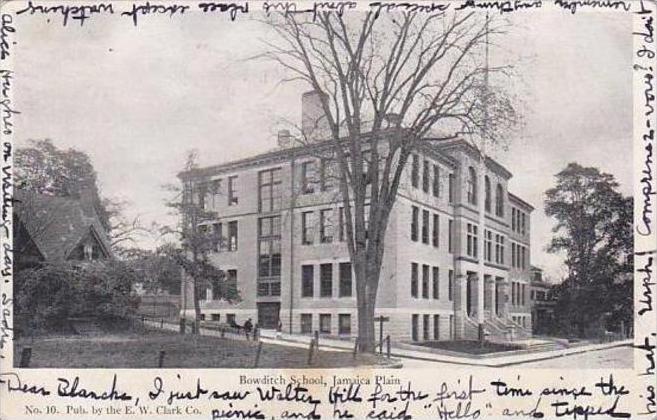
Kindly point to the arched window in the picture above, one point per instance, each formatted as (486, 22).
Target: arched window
(472, 186)
(487, 199)
(499, 201)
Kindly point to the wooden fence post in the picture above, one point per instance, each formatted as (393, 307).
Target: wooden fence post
(388, 346)
(257, 358)
(182, 325)
(160, 361)
(162, 323)
(317, 338)
(310, 352)
(26, 355)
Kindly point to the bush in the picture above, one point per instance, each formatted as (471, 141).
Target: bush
(47, 296)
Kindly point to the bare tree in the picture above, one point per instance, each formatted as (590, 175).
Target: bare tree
(389, 85)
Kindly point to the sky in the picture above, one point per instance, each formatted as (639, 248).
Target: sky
(135, 99)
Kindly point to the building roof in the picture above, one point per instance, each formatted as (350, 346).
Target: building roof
(57, 225)
(520, 201)
(437, 147)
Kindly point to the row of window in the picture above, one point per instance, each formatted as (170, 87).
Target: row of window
(326, 280)
(230, 318)
(498, 256)
(214, 291)
(539, 295)
(521, 319)
(434, 289)
(429, 333)
(429, 182)
(519, 256)
(210, 193)
(518, 293)
(269, 256)
(216, 233)
(519, 221)
(325, 324)
(472, 196)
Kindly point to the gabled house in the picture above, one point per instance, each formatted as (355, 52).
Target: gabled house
(49, 229)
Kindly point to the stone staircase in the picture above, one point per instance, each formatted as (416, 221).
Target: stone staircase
(497, 329)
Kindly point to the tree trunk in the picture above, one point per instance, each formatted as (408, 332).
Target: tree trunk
(366, 330)
(197, 309)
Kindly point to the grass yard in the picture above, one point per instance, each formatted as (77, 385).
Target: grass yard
(469, 346)
(141, 350)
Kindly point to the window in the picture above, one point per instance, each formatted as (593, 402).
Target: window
(231, 278)
(436, 327)
(414, 223)
(202, 317)
(218, 237)
(232, 191)
(450, 237)
(425, 281)
(326, 226)
(471, 240)
(326, 280)
(472, 186)
(425, 327)
(513, 219)
(308, 177)
(215, 192)
(203, 294)
(513, 254)
(499, 201)
(435, 237)
(414, 280)
(451, 190)
(414, 327)
(215, 317)
(201, 193)
(307, 231)
(425, 226)
(499, 249)
(230, 319)
(327, 174)
(307, 281)
(269, 261)
(306, 323)
(450, 285)
(232, 236)
(269, 190)
(488, 245)
(523, 223)
(415, 171)
(436, 181)
(436, 282)
(216, 289)
(344, 324)
(487, 198)
(345, 285)
(425, 176)
(325, 323)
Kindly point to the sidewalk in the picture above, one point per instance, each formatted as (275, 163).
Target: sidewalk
(491, 360)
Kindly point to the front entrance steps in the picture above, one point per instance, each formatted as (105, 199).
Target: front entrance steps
(496, 329)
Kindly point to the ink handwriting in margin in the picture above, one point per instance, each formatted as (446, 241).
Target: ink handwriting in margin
(6, 29)
(80, 13)
(647, 52)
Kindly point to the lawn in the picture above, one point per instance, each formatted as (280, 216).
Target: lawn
(141, 350)
(469, 346)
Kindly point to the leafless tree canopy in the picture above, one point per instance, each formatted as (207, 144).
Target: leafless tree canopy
(389, 85)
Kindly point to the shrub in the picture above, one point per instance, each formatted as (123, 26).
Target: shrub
(47, 296)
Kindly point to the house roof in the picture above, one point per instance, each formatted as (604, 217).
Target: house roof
(58, 224)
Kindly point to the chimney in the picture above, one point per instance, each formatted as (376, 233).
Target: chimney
(314, 124)
(284, 139)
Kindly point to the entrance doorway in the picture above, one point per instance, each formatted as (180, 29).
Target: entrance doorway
(268, 314)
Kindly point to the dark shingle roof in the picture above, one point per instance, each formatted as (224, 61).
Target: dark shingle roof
(58, 224)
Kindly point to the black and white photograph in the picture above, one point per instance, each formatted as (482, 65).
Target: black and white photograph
(448, 186)
(307, 210)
